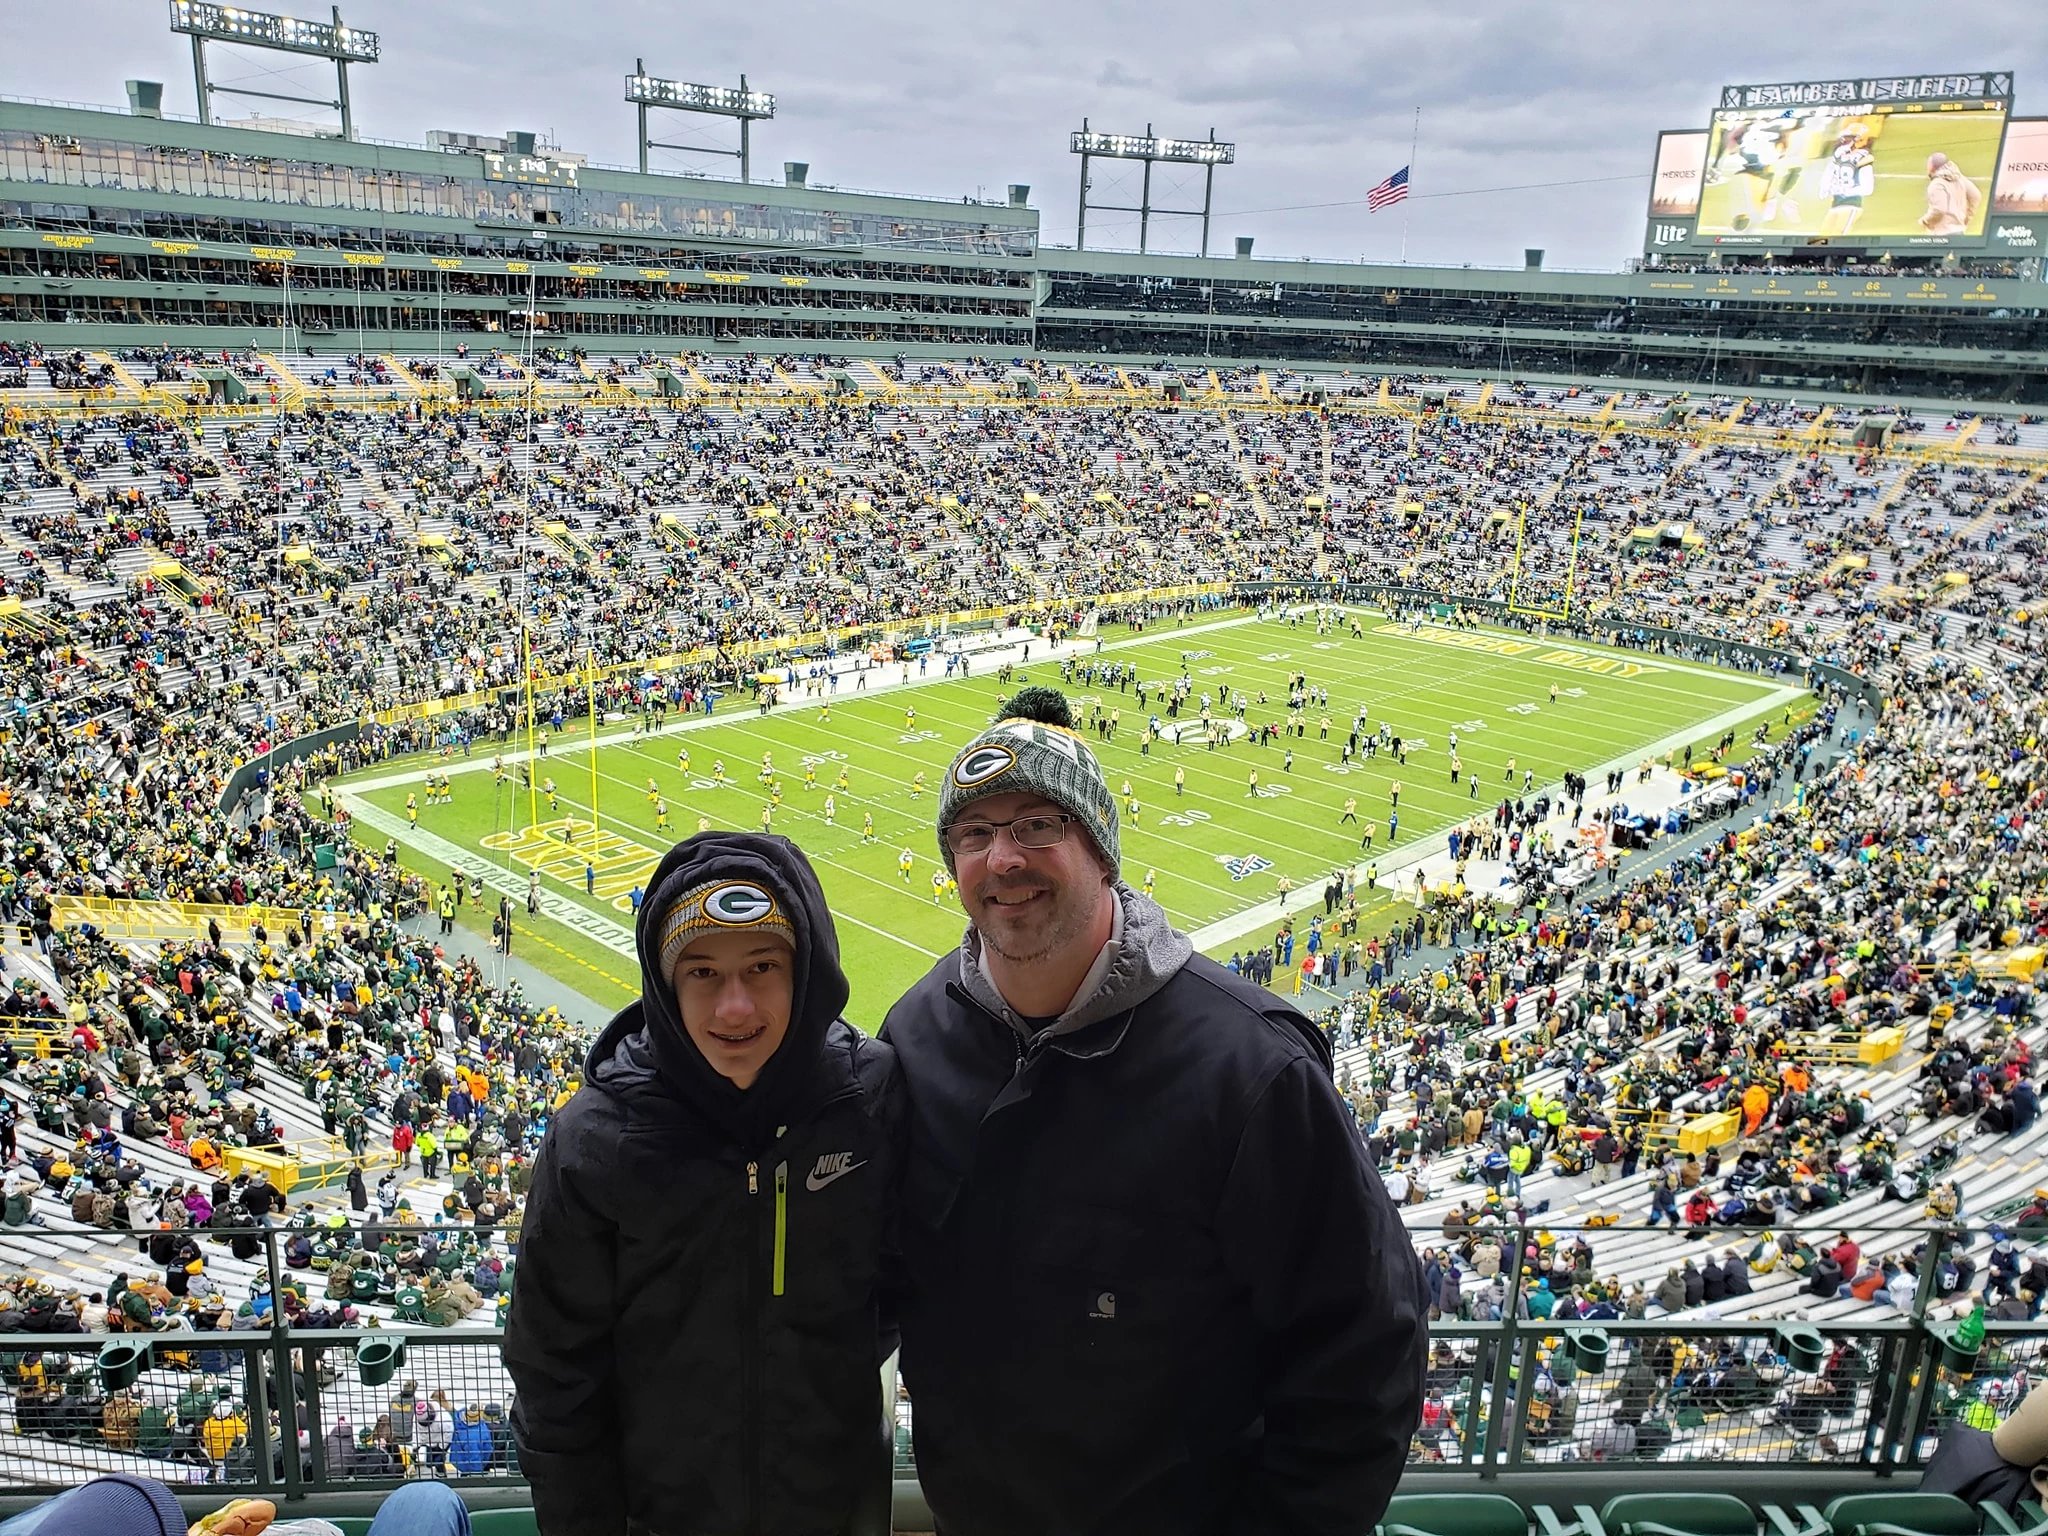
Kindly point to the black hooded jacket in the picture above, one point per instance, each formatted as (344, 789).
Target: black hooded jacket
(695, 1330)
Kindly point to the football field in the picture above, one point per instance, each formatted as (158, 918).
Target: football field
(1215, 849)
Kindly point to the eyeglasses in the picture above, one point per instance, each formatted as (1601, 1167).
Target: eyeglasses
(1035, 831)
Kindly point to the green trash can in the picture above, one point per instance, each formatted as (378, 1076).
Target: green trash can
(1589, 1348)
(1804, 1348)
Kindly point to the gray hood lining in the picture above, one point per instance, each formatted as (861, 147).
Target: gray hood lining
(1143, 952)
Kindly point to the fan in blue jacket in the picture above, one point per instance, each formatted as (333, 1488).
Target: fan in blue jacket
(469, 1445)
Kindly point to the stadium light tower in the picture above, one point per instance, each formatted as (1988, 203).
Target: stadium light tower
(645, 90)
(1207, 153)
(208, 23)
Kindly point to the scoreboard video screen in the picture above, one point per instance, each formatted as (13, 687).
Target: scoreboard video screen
(1854, 173)
(1875, 163)
(1681, 166)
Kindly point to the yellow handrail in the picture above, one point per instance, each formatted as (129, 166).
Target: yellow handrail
(44, 1043)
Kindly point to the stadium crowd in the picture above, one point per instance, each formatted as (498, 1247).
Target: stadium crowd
(1511, 1066)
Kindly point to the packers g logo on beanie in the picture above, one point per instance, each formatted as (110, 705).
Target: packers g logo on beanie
(737, 905)
(1034, 747)
(720, 904)
(981, 763)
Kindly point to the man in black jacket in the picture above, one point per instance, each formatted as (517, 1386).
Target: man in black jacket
(695, 1329)
(1153, 1285)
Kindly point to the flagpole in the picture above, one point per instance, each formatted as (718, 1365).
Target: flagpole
(1414, 138)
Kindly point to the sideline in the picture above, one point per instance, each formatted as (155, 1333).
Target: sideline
(569, 743)
(536, 985)
(1428, 847)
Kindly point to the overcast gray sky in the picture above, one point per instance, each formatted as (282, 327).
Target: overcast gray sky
(951, 99)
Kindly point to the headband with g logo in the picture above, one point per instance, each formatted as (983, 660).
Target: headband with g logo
(720, 905)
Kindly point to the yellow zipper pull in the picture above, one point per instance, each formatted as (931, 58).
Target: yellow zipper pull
(753, 1178)
(781, 1223)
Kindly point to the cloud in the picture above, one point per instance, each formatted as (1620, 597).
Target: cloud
(930, 98)
(1116, 77)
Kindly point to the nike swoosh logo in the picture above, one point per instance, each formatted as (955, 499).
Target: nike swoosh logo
(813, 1183)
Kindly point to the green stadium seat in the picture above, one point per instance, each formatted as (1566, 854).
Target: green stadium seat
(1901, 1514)
(1585, 1521)
(1802, 1521)
(1677, 1514)
(1453, 1514)
(350, 1525)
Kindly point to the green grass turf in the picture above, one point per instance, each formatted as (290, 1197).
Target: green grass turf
(891, 930)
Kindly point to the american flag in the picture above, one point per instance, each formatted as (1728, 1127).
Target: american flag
(1388, 192)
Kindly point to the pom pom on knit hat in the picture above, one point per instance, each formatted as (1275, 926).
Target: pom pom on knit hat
(1048, 706)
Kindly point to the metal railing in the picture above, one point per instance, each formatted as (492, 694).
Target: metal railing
(1572, 1397)
(1866, 1395)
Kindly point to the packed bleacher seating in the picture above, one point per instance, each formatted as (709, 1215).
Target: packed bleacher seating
(196, 587)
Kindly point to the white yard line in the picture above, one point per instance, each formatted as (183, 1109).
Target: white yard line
(1422, 848)
(567, 742)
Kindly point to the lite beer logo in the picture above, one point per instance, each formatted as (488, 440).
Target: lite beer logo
(1669, 234)
(738, 905)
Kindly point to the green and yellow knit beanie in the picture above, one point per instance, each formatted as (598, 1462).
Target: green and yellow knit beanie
(1035, 748)
(717, 905)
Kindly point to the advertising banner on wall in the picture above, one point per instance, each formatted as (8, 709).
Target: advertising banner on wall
(2022, 186)
(1681, 165)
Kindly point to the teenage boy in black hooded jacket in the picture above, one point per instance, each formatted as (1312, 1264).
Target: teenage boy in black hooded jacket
(695, 1328)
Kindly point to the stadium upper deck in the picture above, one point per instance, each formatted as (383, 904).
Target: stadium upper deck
(118, 230)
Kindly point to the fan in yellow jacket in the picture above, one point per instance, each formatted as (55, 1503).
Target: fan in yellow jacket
(222, 1431)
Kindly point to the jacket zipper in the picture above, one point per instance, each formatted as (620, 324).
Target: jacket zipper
(750, 1355)
(969, 1000)
(781, 1222)
(750, 1368)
